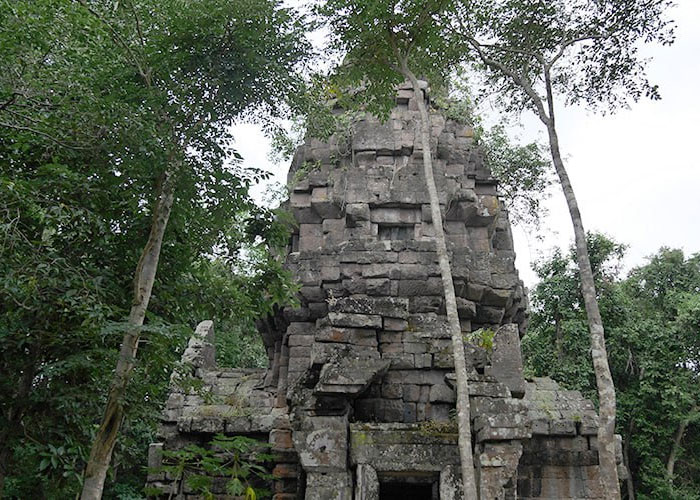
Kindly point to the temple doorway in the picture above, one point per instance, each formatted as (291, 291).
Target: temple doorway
(403, 487)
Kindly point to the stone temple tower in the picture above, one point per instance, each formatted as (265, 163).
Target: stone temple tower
(358, 399)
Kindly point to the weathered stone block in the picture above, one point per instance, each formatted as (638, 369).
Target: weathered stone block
(349, 376)
(506, 359)
(442, 394)
(372, 136)
(381, 286)
(395, 324)
(300, 200)
(395, 216)
(465, 308)
(497, 297)
(411, 392)
(450, 483)
(502, 434)
(357, 336)
(324, 352)
(335, 485)
(323, 204)
(310, 237)
(412, 288)
(490, 315)
(415, 347)
(391, 307)
(400, 361)
(281, 439)
(355, 320)
(422, 361)
(322, 443)
(422, 304)
(367, 485)
(356, 212)
(392, 391)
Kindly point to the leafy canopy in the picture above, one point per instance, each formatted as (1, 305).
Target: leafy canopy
(96, 98)
(587, 51)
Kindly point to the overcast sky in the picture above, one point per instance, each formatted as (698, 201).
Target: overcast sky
(636, 174)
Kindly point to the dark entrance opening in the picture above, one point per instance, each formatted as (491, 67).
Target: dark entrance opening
(407, 491)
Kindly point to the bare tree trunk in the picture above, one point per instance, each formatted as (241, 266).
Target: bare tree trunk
(604, 381)
(675, 446)
(463, 409)
(103, 445)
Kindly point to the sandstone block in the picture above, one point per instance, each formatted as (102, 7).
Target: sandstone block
(310, 237)
(395, 324)
(506, 359)
(323, 204)
(442, 394)
(391, 307)
(355, 320)
(358, 336)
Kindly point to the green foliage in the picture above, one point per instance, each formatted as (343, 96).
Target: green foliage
(303, 171)
(524, 174)
(97, 100)
(653, 332)
(588, 50)
(373, 36)
(483, 337)
(239, 459)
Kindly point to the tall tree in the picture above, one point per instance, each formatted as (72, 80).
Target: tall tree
(385, 43)
(137, 95)
(583, 51)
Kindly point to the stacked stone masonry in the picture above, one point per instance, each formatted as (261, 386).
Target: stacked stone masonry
(358, 400)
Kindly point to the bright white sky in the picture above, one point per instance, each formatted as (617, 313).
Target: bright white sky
(636, 174)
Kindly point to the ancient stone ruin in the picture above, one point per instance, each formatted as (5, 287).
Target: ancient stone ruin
(358, 399)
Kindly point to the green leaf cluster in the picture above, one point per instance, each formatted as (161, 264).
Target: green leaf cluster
(590, 48)
(240, 460)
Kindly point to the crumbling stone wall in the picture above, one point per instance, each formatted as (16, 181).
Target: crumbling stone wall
(359, 393)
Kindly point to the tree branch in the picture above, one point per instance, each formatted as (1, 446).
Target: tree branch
(673, 455)
(550, 93)
(120, 40)
(138, 24)
(568, 43)
(423, 18)
(10, 101)
(519, 79)
(43, 134)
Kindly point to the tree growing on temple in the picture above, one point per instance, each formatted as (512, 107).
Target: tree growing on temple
(582, 52)
(385, 43)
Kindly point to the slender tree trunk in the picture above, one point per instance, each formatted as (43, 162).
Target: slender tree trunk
(675, 446)
(14, 418)
(463, 409)
(604, 381)
(103, 445)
